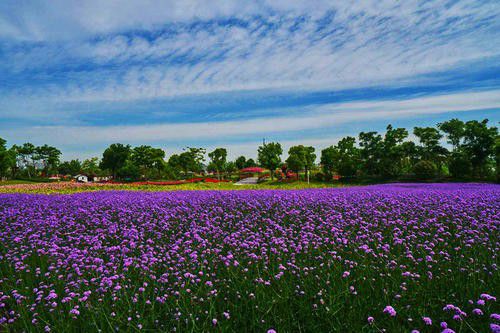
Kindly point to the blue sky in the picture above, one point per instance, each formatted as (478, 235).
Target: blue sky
(81, 75)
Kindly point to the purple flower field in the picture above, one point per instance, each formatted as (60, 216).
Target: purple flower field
(394, 258)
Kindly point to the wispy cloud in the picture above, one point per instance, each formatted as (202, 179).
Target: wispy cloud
(349, 46)
(316, 117)
(66, 61)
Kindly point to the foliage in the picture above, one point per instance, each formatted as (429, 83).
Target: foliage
(114, 157)
(72, 167)
(479, 144)
(91, 166)
(129, 171)
(218, 159)
(425, 169)
(342, 159)
(454, 130)
(301, 158)
(148, 160)
(269, 156)
(474, 155)
(459, 165)
(7, 159)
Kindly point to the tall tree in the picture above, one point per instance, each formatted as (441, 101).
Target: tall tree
(479, 143)
(191, 160)
(240, 162)
(230, 167)
(295, 163)
(250, 163)
(454, 130)
(174, 164)
(371, 153)
(269, 156)
(219, 159)
(48, 156)
(393, 151)
(7, 159)
(149, 160)
(25, 157)
(329, 157)
(91, 166)
(72, 167)
(114, 157)
(344, 158)
(430, 148)
(303, 157)
(459, 161)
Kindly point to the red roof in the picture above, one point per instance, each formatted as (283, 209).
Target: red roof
(253, 170)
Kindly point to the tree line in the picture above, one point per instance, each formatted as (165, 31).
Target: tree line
(472, 152)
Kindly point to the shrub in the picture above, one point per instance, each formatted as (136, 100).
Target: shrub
(425, 170)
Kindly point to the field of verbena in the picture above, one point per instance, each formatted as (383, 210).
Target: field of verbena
(399, 258)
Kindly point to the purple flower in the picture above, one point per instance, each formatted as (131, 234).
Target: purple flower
(488, 297)
(390, 310)
(427, 320)
(477, 312)
(371, 320)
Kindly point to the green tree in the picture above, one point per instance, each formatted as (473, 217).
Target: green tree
(240, 162)
(497, 157)
(393, 152)
(430, 149)
(328, 160)
(191, 160)
(459, 164)
(91, 166)
(479, 144)
(250, 163)
(25, 157)
(114, 157)
(218, 158)
(149, 160)
(295, 163)
(425, 169)
(302, 157)
(230, 168)
(174, 165)
(72, 167)
(371, 153)
(410, 156)
(455, 130)
(7, 159)
(269, 156)
(344, 158)
(129, 171)
(48, 157)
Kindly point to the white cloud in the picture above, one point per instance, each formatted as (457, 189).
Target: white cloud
(313, 118)
(363, 44)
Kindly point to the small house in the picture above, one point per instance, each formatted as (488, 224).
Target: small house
(82, 178)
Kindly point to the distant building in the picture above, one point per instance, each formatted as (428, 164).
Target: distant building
(82, 178)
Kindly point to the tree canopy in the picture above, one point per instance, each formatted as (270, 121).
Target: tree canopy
(269, 156)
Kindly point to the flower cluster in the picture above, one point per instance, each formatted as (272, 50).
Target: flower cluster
(390, 257)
